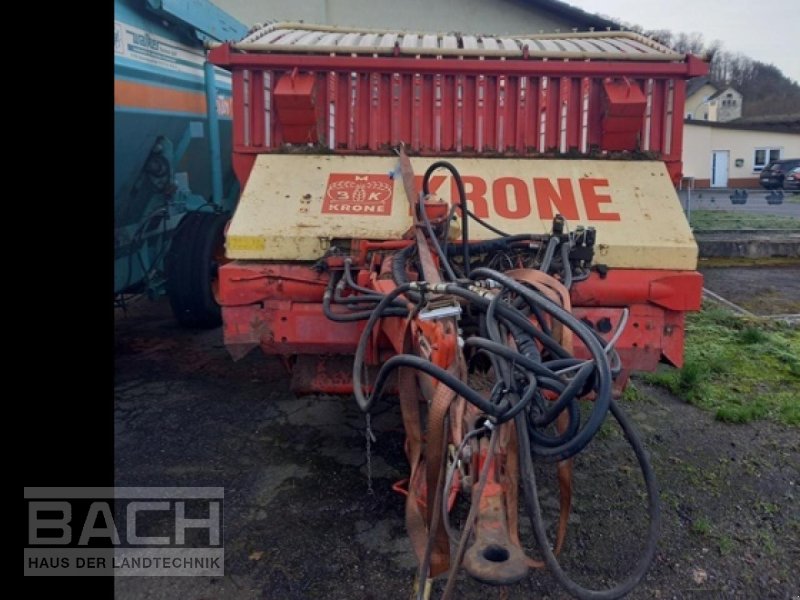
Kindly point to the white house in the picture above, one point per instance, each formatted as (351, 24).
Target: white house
(732, 154)
(707, 102)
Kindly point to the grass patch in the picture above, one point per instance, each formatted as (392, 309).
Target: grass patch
(740, 368)
(631, 393)
(725, 545)
(709, 220)
(701, 526)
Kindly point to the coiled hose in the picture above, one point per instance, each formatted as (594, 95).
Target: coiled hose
(534, 365)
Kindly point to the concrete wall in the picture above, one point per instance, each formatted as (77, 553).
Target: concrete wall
(466, 16)
(699, 142)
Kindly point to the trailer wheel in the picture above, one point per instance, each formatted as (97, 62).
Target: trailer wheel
(196, 252)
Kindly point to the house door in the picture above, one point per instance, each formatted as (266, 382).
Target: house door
(719, 169)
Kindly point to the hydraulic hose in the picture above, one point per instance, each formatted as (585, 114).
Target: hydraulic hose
(534, 510)
(462, 199)
(603, 372)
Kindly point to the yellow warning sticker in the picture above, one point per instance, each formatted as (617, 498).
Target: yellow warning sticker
(245, 242)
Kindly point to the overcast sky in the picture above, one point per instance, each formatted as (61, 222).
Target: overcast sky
(764, 31)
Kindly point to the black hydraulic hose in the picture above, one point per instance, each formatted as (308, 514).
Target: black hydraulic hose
(493, 329)
(488, 226)
(548, 254)
(364, 402)
(521, 303)
(525, 343)
(547, 380)
(485, 335)
(445, 263)
(462, 199)
(348, 277)
(445, 377)
(502, 350)
(384, 311)
(512, 316)
(570, 393)
(495, 244)
(399, 271)
(534, 509)
(567, 281)
(372, 298)
(603, 373)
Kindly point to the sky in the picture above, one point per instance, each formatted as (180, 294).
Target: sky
(765, 31)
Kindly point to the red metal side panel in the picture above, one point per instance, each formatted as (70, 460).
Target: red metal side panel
(455, 106)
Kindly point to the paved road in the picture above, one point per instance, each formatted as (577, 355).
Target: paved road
(756, 202)
(299, 523)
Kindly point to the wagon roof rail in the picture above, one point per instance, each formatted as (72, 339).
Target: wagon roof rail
(289, 37)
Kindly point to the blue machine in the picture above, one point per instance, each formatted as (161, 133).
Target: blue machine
(173, 182)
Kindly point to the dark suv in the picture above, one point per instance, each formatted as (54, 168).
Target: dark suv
(772, 176)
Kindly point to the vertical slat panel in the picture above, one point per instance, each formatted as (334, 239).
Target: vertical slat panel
(553, 114)
(246, 92)
(679, 100)
(257, 108)
(480, 112)
(669, 106)
(364, 112)
(437, 93)
(595, 111)
(426, 130)
(407, 108)
(564, 87)
(385, 120)
(586, 87)
(574, 122)
(396, 118)
(441, 113)
(648, 114)
(448, 122)
(460, 84)
(332, 100)
(656, 124)
(532, 115)
(374, 110)
(544, 85)
(521, 125)
(268, 113)
(500, 113)
(342, 110)
(416, 112)
(352, 111)
(490, 111)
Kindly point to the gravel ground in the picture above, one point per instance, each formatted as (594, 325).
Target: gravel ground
(299, 522)
(763, 290)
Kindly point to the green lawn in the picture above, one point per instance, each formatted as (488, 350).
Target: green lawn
(742, 369)
(709, 220)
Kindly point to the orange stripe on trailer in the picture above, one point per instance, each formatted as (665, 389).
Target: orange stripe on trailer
(130, 94)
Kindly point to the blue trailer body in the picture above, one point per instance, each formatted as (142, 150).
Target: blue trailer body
(172, 154)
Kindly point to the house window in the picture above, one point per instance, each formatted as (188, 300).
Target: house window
(764, 156)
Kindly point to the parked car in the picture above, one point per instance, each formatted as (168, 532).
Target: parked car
(792, 180)
(773, 174)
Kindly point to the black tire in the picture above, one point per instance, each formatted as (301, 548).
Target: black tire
(191, 268)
